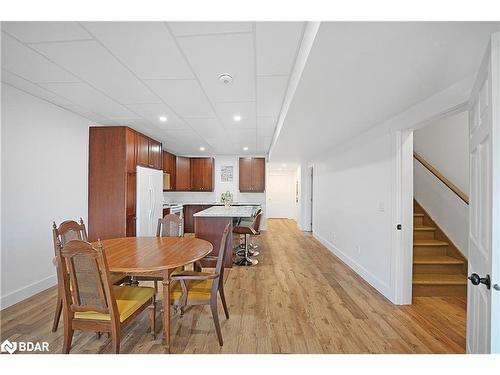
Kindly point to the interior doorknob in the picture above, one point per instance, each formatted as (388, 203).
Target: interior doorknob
(475, 279)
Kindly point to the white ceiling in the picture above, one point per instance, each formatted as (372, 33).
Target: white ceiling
(359, 74)
(131, 73)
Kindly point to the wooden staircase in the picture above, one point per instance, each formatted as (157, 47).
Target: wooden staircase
(439, 268)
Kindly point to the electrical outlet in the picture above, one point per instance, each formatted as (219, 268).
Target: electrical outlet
(381, 206)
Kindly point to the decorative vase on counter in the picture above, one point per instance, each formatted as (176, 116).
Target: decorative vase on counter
(226, 198)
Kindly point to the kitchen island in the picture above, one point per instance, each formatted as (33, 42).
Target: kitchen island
(209, 225)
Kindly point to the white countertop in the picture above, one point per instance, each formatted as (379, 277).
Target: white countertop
(231, 211)
(216, 203)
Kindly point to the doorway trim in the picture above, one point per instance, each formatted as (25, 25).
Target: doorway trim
(310, 198)
(402, 269)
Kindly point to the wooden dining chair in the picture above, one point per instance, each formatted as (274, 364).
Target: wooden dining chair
(71, 230)
(90, 300)
(168, 226)
(202, 288)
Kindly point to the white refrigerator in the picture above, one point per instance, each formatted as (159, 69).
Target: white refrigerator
(149, 200)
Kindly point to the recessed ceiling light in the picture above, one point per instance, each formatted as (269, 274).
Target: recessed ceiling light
(163, 118)
(237, 118)
(245, 148)
(202, 148)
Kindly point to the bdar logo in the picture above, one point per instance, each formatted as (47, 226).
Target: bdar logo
(8, 346)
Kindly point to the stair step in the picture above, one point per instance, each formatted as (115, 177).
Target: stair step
(436, 259)
(422, 232)
(424, 228)
(436, 279)
(429, 247)
(430, 243)
(418, 219)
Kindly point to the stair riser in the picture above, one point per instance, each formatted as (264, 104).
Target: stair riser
(418, 221)
(429, 250)
(446, 269)
(423, 234)
(439, 290)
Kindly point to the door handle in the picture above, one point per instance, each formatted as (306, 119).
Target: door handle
(475, 279)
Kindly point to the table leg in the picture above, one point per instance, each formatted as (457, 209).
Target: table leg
(166, 310)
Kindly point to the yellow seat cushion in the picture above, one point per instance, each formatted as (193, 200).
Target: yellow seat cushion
(197, 289)
(129, 299)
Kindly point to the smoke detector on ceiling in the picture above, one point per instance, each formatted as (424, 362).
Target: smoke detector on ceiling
(226, 79)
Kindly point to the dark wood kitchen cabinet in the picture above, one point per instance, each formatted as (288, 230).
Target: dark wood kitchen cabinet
(149, 152)
(169, 166)
(114, 153)
(202, 174)
(182, 174)
(155, 154)
(252, 174)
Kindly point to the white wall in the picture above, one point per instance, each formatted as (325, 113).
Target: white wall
(445, 144)
(281, 194)
(44, 178)
(304, 219)
(352, 208)
(221, 187)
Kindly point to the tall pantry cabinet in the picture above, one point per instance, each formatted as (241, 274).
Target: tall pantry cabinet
(113, 158)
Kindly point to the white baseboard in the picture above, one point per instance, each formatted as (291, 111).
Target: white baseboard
(21, 294)
(369, 277)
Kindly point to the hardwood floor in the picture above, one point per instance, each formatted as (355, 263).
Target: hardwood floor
(298, 299)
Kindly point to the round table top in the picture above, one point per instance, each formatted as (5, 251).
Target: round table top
(153, 254)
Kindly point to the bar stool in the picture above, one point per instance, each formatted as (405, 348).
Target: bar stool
(247, 231)
(240, 249)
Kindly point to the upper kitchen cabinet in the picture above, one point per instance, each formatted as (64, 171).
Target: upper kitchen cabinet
(142, 150)
(202, 174)
(169, 166)
(252, 175)
(155, 154)
(149, 152)
(182, 174)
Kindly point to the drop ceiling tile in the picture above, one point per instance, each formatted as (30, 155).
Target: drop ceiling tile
(26, 63)
(270, 58)
(266, 126)
(263, 143)
(241, 136)
(227, 110)
(147, 48)
(96, 118)
(184, 96)
(93, 63)
(152, 113)
(33, 89)
(90, 99)
(270, 94)
(207, 127)
(199, 28)
(213, 55)
(43, 31)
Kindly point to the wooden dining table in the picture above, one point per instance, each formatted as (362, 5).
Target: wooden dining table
(135, 256)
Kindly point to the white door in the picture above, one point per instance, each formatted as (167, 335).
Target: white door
(280, 192)
(483, 303)
(144, 202)
(157, 196)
